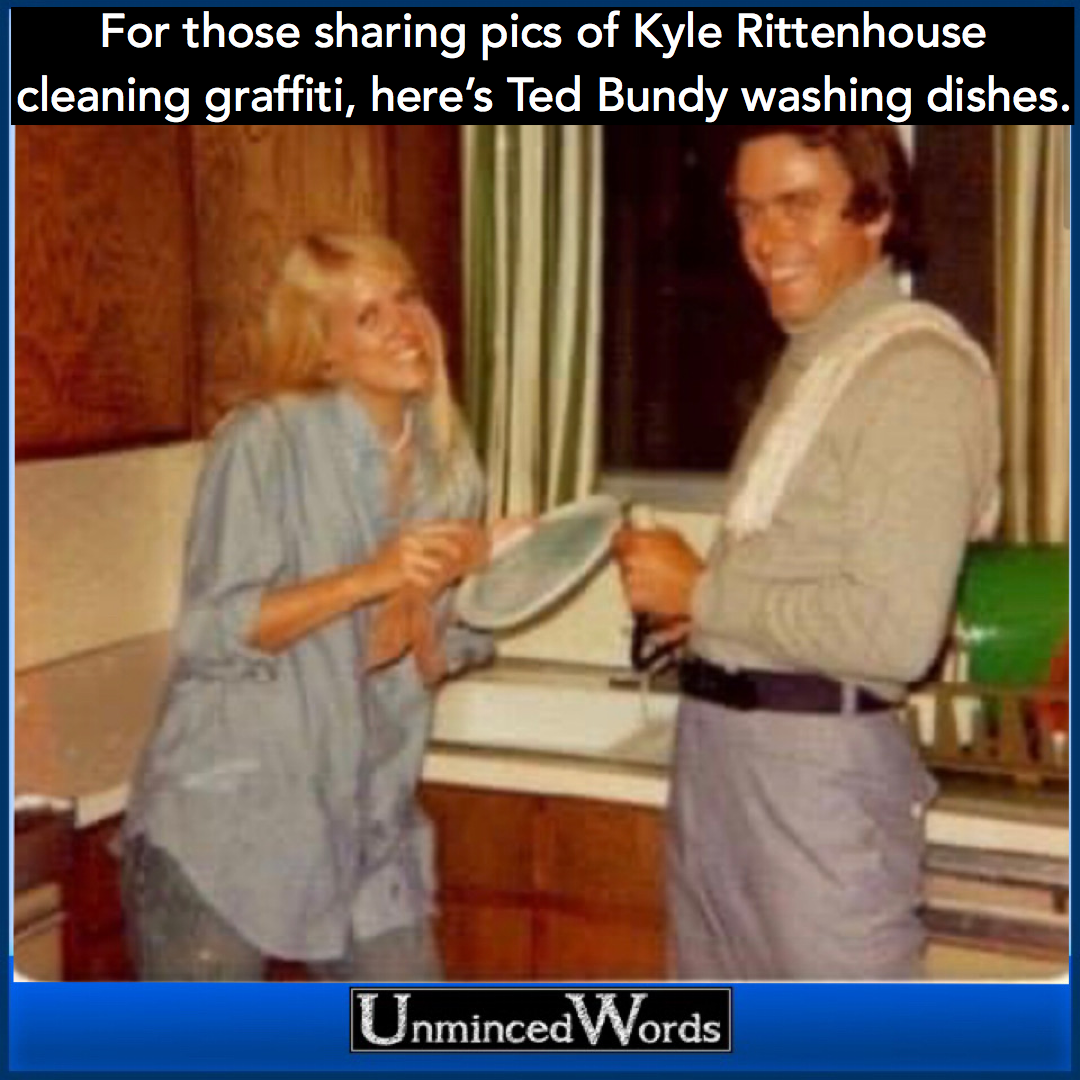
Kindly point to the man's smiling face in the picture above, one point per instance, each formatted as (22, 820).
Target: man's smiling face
(800, 242)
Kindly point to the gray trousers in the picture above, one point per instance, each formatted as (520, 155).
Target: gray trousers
(794, 847)
(175, 936)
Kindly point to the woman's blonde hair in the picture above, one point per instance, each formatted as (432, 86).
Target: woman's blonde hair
(314, 274)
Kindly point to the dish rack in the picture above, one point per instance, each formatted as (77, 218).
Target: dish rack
(1002, 731)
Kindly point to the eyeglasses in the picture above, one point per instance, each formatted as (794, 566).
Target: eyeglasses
(791, 208)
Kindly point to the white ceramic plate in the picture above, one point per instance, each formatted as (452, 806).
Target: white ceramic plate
(532, 572)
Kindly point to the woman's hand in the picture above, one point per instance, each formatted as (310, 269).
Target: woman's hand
(432, 555)
(424, 558)
(429, 557)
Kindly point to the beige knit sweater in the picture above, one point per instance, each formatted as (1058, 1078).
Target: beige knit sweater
(855, 574)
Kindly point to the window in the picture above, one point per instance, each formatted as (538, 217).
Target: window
(687, 337)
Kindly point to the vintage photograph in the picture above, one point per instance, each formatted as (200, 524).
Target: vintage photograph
(541, 553)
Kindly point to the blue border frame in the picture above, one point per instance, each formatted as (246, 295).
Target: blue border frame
(68, 1028)
(776, 1027)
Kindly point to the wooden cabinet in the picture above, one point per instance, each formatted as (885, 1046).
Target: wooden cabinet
(95, 947)
(599, 891)
(425, 216)
(257, 189)
(103, 288)
(41, 857)
(260, 189)
(531, 887)
(143, 256)
(486, 880)
(535, 887)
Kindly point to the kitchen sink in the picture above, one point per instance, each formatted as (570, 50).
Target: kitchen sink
(557, 709)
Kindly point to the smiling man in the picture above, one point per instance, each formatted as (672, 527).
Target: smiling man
(796, 816)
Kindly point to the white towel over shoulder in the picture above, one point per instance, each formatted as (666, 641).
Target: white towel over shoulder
(818, 390)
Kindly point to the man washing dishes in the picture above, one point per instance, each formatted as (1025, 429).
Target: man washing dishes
(795, 829)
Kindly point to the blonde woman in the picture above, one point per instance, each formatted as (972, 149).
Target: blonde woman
(274, 811)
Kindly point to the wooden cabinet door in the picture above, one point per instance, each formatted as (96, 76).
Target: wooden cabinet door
(95, 945)
(485, 873)
(600, 854)
(599, 869)
(143, 256)
(104, 344)
(547, 888)
(258, 190)
(484, 839)
(598, 945)
(486, 941)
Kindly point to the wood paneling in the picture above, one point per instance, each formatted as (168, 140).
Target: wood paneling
(535, 887)
(599, 874)
(95, 944)
(144, 256)
(484, 838)
(486, 881)
(600, 853)
(42, 845)
(485, 941)
(103, 293)
(257, 190)
(595, 945)
(425, 217)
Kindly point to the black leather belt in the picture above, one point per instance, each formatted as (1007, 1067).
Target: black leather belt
(775, 691)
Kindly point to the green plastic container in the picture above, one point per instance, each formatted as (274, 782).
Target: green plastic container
(1013, 606)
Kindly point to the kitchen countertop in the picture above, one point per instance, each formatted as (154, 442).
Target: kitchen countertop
(515, 727)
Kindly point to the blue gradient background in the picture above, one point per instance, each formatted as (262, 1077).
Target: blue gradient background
(304, 1027)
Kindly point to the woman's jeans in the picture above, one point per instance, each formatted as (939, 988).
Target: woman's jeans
(175, 936)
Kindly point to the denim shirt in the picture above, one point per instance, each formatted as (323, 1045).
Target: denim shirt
(285, 785)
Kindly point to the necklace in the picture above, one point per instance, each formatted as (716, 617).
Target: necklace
(402, 440)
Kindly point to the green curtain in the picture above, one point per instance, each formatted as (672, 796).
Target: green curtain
(532, 319)
(1033, 327)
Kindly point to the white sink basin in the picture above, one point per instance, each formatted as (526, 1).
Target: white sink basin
(556, 711)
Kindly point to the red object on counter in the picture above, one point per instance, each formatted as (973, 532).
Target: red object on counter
(1054, 715)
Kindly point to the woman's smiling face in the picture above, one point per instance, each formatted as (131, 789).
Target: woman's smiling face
(381, 339)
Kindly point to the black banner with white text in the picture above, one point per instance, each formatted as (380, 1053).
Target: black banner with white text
(289, 65)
